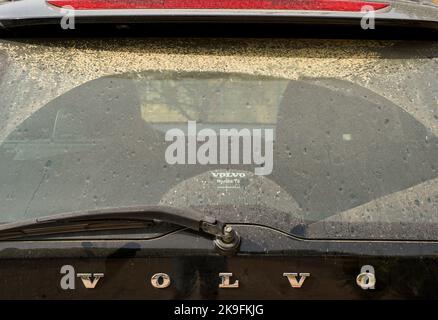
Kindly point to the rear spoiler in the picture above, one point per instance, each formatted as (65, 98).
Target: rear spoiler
(15, 13)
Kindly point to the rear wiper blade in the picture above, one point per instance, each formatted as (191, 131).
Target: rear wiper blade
(226, 240)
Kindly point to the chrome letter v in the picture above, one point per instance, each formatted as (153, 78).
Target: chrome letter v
(293, 279)
(86, 279)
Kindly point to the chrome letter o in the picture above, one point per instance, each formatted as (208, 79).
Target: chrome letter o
(160, 280)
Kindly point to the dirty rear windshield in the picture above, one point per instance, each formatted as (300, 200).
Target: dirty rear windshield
(330, 139)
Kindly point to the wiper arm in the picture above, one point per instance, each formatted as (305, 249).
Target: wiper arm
(226, 238)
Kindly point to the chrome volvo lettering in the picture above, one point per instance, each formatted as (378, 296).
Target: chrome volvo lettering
(160, 280)
(226, 282)
(90, 280)
(293, 279)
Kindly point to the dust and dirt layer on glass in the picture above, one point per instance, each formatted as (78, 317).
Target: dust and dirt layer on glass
(411, 210)
(42, 72)
(33, 74)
